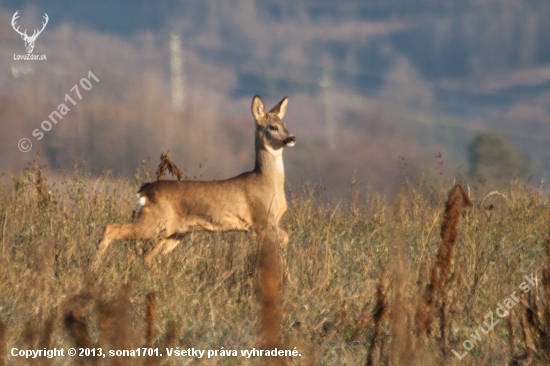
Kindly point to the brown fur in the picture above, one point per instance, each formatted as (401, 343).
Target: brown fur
(173, 208)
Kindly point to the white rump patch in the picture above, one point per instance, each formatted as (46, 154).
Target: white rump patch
(141, 202)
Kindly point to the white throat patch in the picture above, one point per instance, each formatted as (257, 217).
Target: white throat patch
(278, 154)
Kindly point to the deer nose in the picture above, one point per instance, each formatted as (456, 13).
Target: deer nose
(290, 140)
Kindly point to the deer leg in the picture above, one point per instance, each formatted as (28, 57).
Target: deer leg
(151, 256)
(163, 246)
(170, 244)
(121, 232)
(283, 237)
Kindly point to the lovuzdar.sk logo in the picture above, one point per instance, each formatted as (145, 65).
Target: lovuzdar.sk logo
(29, 40)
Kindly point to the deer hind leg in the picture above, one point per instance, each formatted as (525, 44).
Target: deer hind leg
(163, 247)
(112, 233)
(282, 237)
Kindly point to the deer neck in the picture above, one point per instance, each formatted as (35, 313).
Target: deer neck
(269, 163)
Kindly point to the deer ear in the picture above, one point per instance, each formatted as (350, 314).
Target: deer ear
(280, 109)
(258, 109)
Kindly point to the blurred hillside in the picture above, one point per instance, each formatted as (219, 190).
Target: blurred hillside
(369, 82)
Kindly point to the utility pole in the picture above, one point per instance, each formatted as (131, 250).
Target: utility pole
(177, 71)
(326, 85)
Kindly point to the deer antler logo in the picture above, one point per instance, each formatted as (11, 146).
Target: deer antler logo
(29, 40)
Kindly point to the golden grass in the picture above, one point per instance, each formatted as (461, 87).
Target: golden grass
(167, 164)
(354, 289)
(435, 293)
(269, 293)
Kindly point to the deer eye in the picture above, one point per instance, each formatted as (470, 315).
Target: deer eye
(273, 127)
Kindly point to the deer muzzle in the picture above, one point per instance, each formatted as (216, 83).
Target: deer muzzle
(290, 141)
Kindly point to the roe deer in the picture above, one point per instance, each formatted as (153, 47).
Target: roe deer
(168, 209)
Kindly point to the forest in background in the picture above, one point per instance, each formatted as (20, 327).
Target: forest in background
(377, 88)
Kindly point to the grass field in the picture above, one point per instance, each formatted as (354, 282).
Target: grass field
(373, 281)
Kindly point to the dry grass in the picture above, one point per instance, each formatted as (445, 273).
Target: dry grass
(356, 284)
(269, 293)
(435, 293)
(167, 164)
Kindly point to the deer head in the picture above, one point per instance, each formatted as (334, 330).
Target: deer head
(29, 41)
(270, 128)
